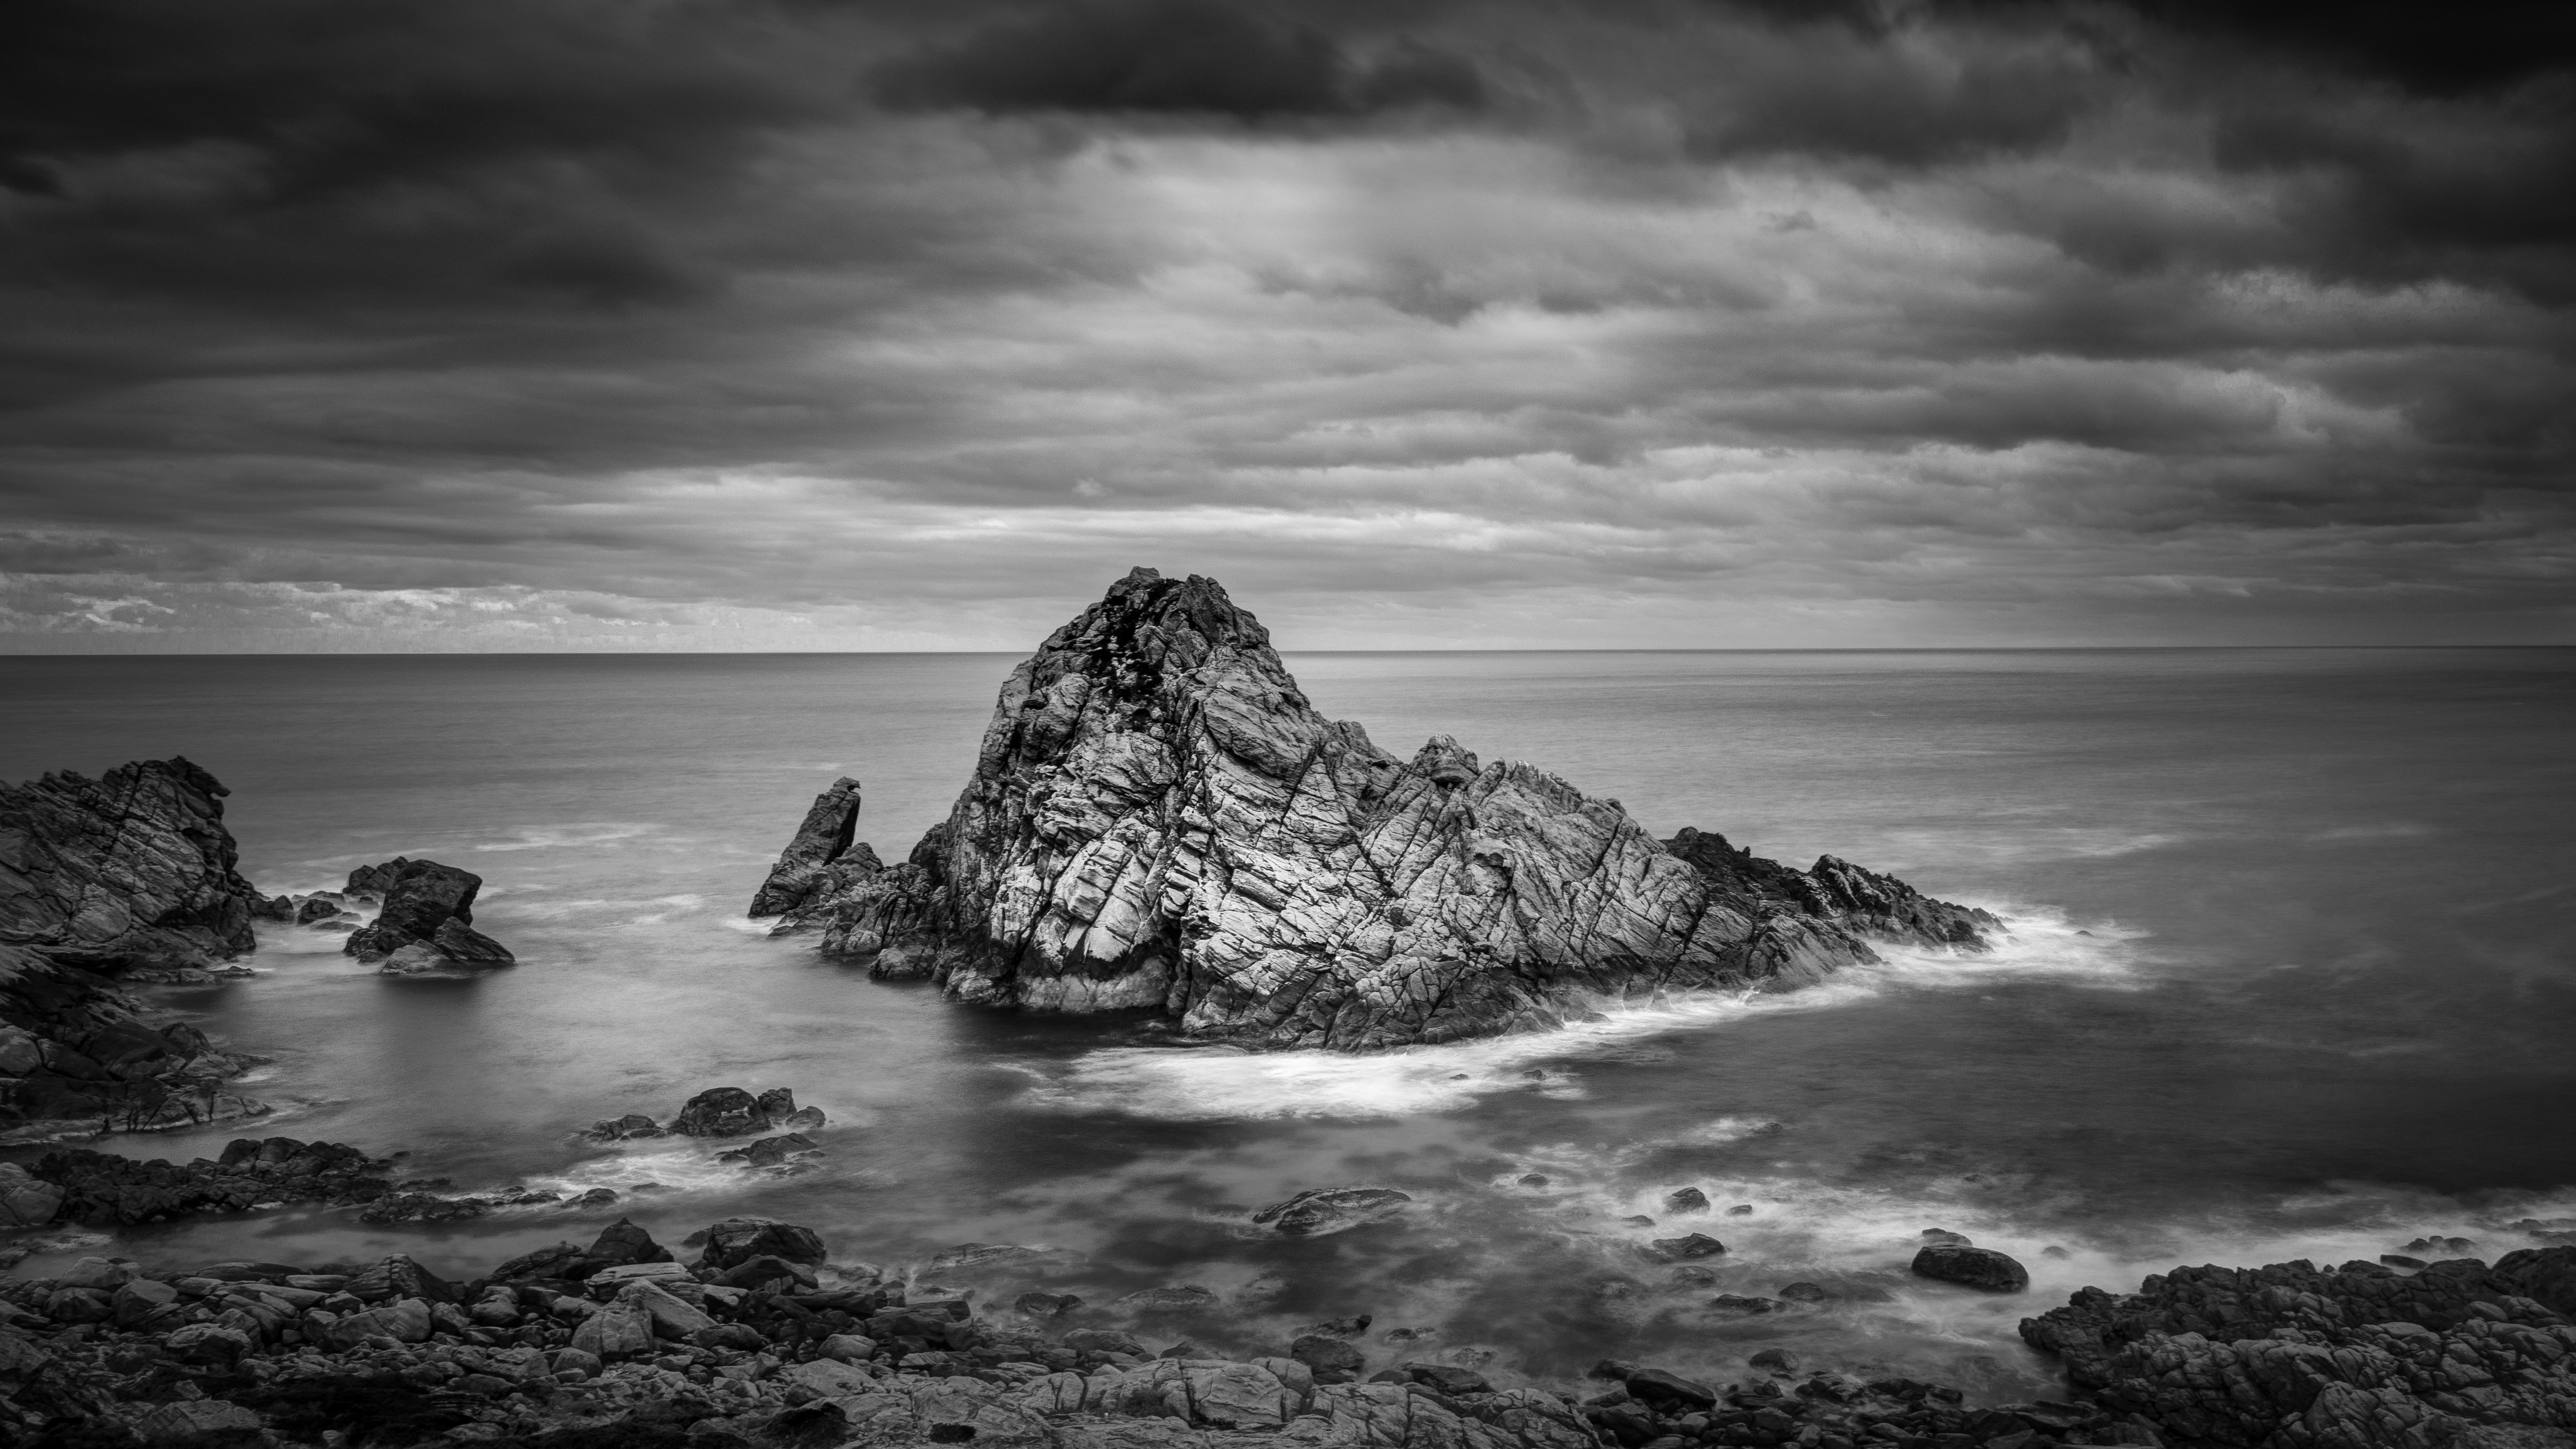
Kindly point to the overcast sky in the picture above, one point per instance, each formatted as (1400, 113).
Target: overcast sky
(331, 324)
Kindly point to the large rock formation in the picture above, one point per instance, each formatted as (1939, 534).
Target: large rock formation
(130, 876)
(132, 870)
(1158, 819)
(427, 922)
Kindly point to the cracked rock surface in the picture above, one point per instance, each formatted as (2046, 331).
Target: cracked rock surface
(2292, 1356)
(131, 877)
(1159, 819)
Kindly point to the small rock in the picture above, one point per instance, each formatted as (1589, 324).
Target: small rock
(1972, 1267)
(1740, 1210)
(1686, 1200)
(1778, 1360)
(1806, 1293)
(1533, 1179)
(1944, 1235)
(1736, 1303)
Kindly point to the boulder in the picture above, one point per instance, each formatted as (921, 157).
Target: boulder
(736, 1241)
(721, 1112)
(621, 1330)
(26, 1201)
(398, 1277)
(1686, 1200)
(671, 1318)
(1973, 1267)
(320, 906)
(404, 1321)
(1330, 1210)
(1330, 1360)
(1159, 819)
(1670, 1392)
(427, 921)
(208, 1344)
(622, 1242)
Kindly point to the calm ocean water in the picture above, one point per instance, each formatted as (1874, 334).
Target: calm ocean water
(2294, 974)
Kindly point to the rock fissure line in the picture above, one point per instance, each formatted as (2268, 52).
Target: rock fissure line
(1159, 819)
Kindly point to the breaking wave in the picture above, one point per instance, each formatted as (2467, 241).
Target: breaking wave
(1221, 1083)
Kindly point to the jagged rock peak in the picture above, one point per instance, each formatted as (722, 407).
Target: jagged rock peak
(1159, 819)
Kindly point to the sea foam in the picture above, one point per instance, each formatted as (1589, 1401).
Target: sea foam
(1217, 1083)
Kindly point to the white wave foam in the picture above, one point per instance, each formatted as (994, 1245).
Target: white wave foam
(749, 925)
(688, 1170)
(1204, 1084)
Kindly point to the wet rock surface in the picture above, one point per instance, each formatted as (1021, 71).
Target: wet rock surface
(103, 1189)
(728, 1112)
(1971, 1267)
(104, 884)
(621, 1344)
(1159, 819)
(426, 923)
(2292, 1355)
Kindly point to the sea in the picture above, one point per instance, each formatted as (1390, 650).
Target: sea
(2290, 973)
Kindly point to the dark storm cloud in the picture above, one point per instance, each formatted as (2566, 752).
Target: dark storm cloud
(1888, 317)
(1188, 57)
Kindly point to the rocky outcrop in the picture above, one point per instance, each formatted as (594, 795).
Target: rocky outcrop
(426, 924)
(831, 825)
(1159, 819)
(128, 879)
(77, 1059)
(2358, 1357)
(105, 1190)
(135, 870)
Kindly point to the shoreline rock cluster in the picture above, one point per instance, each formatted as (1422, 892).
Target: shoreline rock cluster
(127, 879)
(1159, 820)
(761, 1340)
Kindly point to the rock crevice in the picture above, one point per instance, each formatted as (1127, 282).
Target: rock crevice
(1160, 820)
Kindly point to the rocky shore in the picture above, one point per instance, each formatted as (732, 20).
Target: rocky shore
(760, 1339)
(1158, 819)
(105, 883)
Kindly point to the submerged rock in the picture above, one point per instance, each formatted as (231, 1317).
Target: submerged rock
(1159, 819)
(1329, 1210)
(427, 923)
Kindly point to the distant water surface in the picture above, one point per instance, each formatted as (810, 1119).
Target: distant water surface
(2293, 974)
